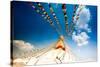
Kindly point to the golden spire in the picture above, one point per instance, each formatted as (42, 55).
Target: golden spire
(60, 43)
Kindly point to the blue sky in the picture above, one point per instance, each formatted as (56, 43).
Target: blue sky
(29, 26)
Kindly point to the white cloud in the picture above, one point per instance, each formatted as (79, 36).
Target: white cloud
(22, 45)
(81, 39)
(82, 26)
(21, 48)
(84, 17)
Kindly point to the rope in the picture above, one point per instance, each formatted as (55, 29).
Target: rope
(65, 16)
(75, 16)
(54, 15)
(48, 17)
(44, 14)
